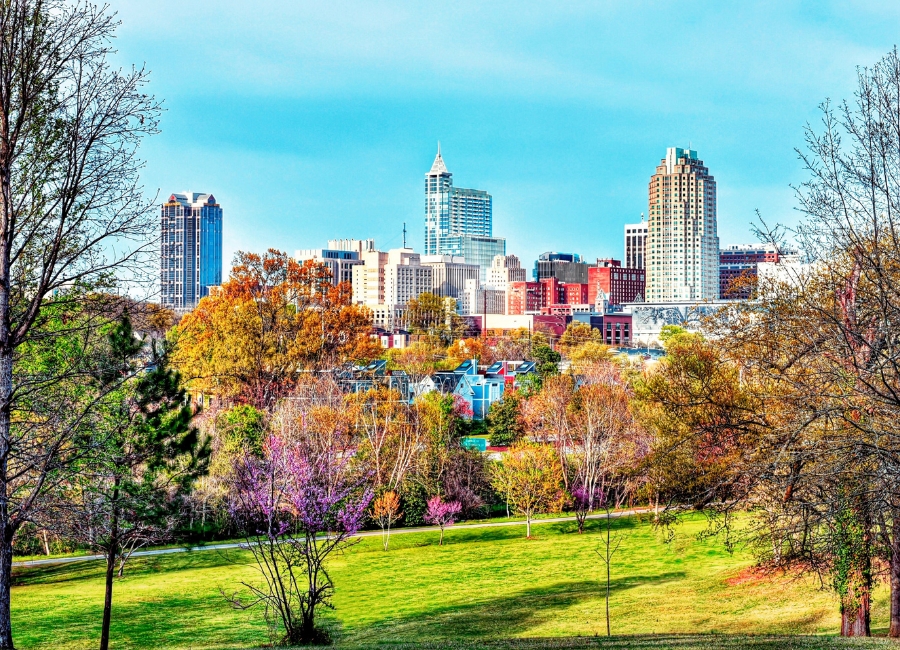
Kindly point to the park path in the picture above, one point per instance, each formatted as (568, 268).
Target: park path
(368, 533)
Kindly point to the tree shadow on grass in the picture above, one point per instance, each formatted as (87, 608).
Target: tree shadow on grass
(511, 615)
(136, 566)
(645, 642)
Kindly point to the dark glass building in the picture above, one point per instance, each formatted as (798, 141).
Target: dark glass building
(190, 250)
(565, 267)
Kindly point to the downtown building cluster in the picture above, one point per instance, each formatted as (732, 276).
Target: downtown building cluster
(673, 271)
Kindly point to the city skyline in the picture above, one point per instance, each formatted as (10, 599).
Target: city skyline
(559, 112)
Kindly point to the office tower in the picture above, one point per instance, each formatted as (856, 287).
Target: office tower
(449, 275)
(455, 218)
(635, 244)
(405, 277)
(358, 246)
(340, 262)
(565, 267)
(682, 256)
(609, 281)
(503, 270)
(190, 249)
(739, 264)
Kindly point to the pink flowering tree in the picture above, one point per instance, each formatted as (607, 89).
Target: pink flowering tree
(296, 508)
(441, 513)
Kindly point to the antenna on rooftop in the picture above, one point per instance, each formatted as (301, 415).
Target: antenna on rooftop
(642, 217)
(404, 228)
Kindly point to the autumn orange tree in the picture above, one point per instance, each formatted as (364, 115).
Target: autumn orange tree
(470, 348)
(386, 512)
(273, 319)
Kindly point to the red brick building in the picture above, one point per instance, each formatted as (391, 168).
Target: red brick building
(619, 284)
(524, 297)
(738, 266)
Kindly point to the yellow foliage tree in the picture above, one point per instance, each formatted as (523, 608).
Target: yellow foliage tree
(530, 477)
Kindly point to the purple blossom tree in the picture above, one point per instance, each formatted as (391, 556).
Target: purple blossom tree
(442, 514)
(296, 507)
(583, 500)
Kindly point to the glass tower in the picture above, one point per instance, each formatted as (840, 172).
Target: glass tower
(451, 212)
(191, 249)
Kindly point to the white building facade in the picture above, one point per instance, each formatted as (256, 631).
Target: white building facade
(339, 262)
(482, 300)
(405, 277)
(503, 270)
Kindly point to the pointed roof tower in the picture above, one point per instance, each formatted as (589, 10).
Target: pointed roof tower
(438, 167)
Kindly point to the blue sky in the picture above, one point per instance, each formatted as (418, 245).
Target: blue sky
(318, 120)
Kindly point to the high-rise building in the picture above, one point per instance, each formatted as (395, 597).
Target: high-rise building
(339, 262)
(191, 249)
(738, 266)
(454, 212)
(635, 244)
(504, 269)
(449, 275)
(682, 256)
(565, 267)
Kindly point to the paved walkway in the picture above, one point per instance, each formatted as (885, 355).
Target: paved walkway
(368, 533)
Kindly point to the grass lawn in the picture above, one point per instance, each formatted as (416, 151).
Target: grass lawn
(486, 588)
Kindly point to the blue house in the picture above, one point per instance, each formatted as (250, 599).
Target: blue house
(479, 390)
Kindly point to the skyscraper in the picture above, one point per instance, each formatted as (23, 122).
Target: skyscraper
(451, 212)
(191, 249)
(682, 255)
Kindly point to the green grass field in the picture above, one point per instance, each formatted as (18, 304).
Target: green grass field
(486, 588)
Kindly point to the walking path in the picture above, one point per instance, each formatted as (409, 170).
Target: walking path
(368, 533)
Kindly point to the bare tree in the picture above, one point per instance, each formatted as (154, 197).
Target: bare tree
(72, 215)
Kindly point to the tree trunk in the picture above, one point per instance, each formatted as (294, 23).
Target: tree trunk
(7, 526)
(608, 572)
(894, 630)
(855, 620)
(6, 552)
(528, 527)
(111, 552)
(308, 628)
(46, 544)
(441, 543)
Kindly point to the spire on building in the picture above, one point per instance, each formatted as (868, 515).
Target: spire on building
(438, 167)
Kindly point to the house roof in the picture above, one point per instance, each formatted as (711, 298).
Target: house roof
(445, 381)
